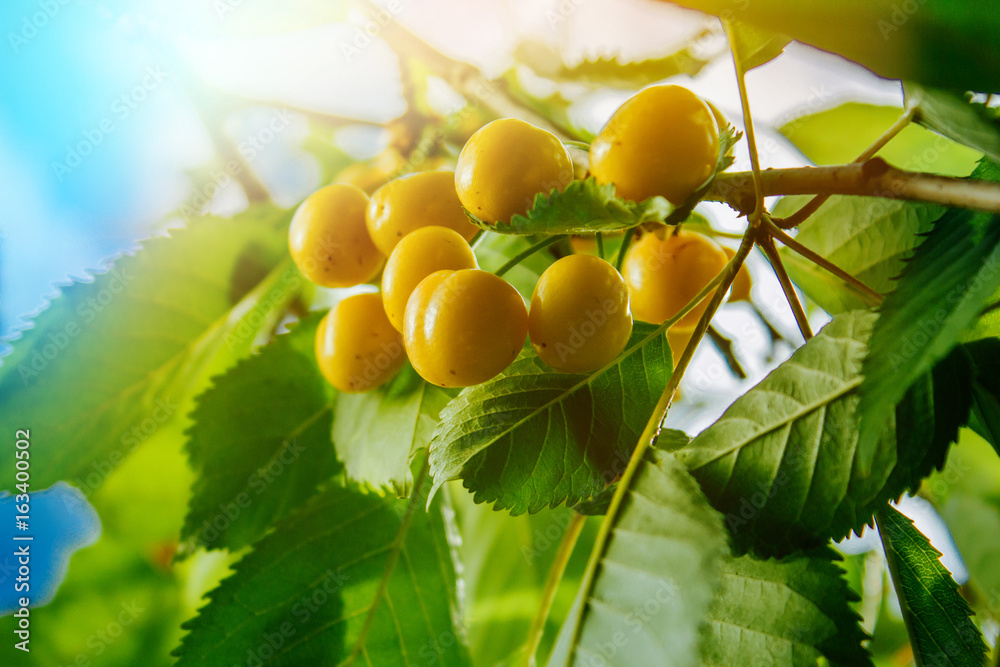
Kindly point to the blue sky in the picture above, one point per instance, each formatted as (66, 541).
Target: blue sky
(98, 138)
(62, 87)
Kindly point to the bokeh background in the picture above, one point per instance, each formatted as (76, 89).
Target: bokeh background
(111, 117)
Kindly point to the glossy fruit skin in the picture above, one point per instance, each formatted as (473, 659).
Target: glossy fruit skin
(419, 254)
(464, 327)
(580, 318)
(356, 348)
(414, 201)
(664, 274)
(329, 240)
(505, 164)
(742, 283)
(662, 141)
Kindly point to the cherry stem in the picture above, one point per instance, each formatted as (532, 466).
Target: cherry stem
(599, 237)
(524, 254)
(626, 241)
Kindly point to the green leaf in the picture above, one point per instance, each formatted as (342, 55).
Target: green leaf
(967, 495)
(609, 71)
(112, 360)
(946, 113)
(377, 433)
(781, 463)
(985, 358)
(841, 134)
(654, 581)
(532, 438)
(869, 237)
(755, 47)
(928, 420)
(947, 44)
(351, 577)
(783, 612)
(260, 443)
(937, 617)
(940, 295)
(583, 207)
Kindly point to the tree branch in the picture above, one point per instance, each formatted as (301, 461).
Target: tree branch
(873, 178)
(813, 204)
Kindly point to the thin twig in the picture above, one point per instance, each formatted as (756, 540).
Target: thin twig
(823, 262)
(552, 586)
(725, 348)
(767, 245)
(989, 309)
(213, 116)
(774, 333)
(813, 204)
(524, 254)
(328, 119)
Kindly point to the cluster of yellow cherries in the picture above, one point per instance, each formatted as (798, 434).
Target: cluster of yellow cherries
(459, 325)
